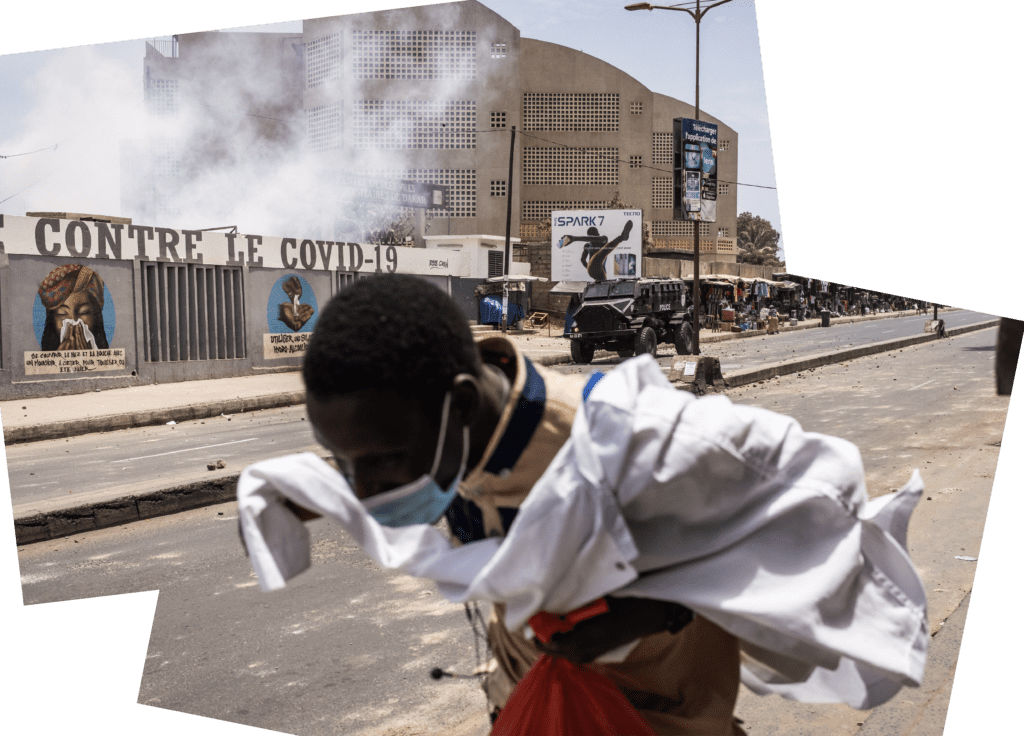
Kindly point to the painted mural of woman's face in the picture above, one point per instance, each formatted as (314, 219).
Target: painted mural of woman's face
(78, 305)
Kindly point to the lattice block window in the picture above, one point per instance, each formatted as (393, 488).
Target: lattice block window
(162, 96)
(165, 203)
(499, 119)
(414, 55)
(421, 124)
(166, 162)
(323, 124)
(723, 232)
(323, 60)
(571, 166)
(661, 151)
(723, 145)
(461, 185)
(635, 162)
(723, 188)
(661, 192)
(498, 188)
(636, 108)
(675, 229)
(543, 210)
(498, 51)
(571, 112)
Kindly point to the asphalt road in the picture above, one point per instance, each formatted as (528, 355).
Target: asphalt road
(751, 352)
(47, 475)
(113, 464)
(347, 647)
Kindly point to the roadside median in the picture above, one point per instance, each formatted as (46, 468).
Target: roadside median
(798, 365)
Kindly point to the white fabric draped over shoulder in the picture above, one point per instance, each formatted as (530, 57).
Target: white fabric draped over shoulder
(760, 527)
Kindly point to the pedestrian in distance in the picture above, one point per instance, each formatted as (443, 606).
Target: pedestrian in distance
(562, 491)
(773, 319)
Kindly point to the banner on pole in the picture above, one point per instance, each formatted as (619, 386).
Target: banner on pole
(694, 170)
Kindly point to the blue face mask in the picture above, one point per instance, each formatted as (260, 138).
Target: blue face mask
(423, 501)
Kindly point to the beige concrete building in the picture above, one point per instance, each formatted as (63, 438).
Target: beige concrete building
(430, 94)
(436, 89)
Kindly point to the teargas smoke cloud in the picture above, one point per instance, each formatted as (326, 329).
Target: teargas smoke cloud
(219, 136)
(83, 102)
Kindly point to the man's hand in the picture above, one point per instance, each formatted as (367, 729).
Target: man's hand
(627, 619)
(295, 319)
(304, 514)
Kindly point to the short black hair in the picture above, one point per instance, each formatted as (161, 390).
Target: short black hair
(392, 332)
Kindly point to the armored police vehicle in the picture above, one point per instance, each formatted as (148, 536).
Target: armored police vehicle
(631, 317)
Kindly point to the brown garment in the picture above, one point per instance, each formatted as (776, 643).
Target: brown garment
(681, 683)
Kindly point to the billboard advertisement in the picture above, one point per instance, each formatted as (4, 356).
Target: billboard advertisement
(595, 245)
(694, 170)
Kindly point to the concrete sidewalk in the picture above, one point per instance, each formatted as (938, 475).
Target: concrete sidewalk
(30, 420)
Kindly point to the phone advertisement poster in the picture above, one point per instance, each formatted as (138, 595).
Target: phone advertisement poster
(595, 245)
(696, 151)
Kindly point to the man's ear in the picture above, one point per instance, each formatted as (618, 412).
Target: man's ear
(467, 398)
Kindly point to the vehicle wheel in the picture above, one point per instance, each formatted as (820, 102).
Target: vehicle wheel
(646, 342)
(684, 339)
(625, 352)
(581, 352)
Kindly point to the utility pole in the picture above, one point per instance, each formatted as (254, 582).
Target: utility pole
(508, 233)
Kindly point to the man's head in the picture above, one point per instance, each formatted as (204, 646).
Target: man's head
(384, 354)
(592, 231)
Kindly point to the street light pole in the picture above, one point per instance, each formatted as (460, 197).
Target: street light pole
(508, 233)
(697, 14)
(696, 223)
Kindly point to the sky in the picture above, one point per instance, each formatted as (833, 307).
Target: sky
(87, 98)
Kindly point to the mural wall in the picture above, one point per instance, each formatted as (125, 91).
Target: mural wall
(291, 316)
(114, 305)
(63, 320)
(74, 319)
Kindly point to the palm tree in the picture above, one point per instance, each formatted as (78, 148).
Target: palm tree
(757, 241)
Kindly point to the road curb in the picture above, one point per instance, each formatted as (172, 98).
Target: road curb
(130, 420)
(63, 522)
(788, 367)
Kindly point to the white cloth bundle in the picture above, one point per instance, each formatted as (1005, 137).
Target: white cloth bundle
(734, 511)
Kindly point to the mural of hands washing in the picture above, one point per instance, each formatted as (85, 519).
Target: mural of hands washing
(293, 313)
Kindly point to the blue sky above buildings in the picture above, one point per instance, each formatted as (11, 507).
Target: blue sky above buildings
(87, 98)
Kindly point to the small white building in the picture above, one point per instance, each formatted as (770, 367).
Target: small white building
(481, 256)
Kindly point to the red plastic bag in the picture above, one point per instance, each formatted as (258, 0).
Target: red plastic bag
(559, 698)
